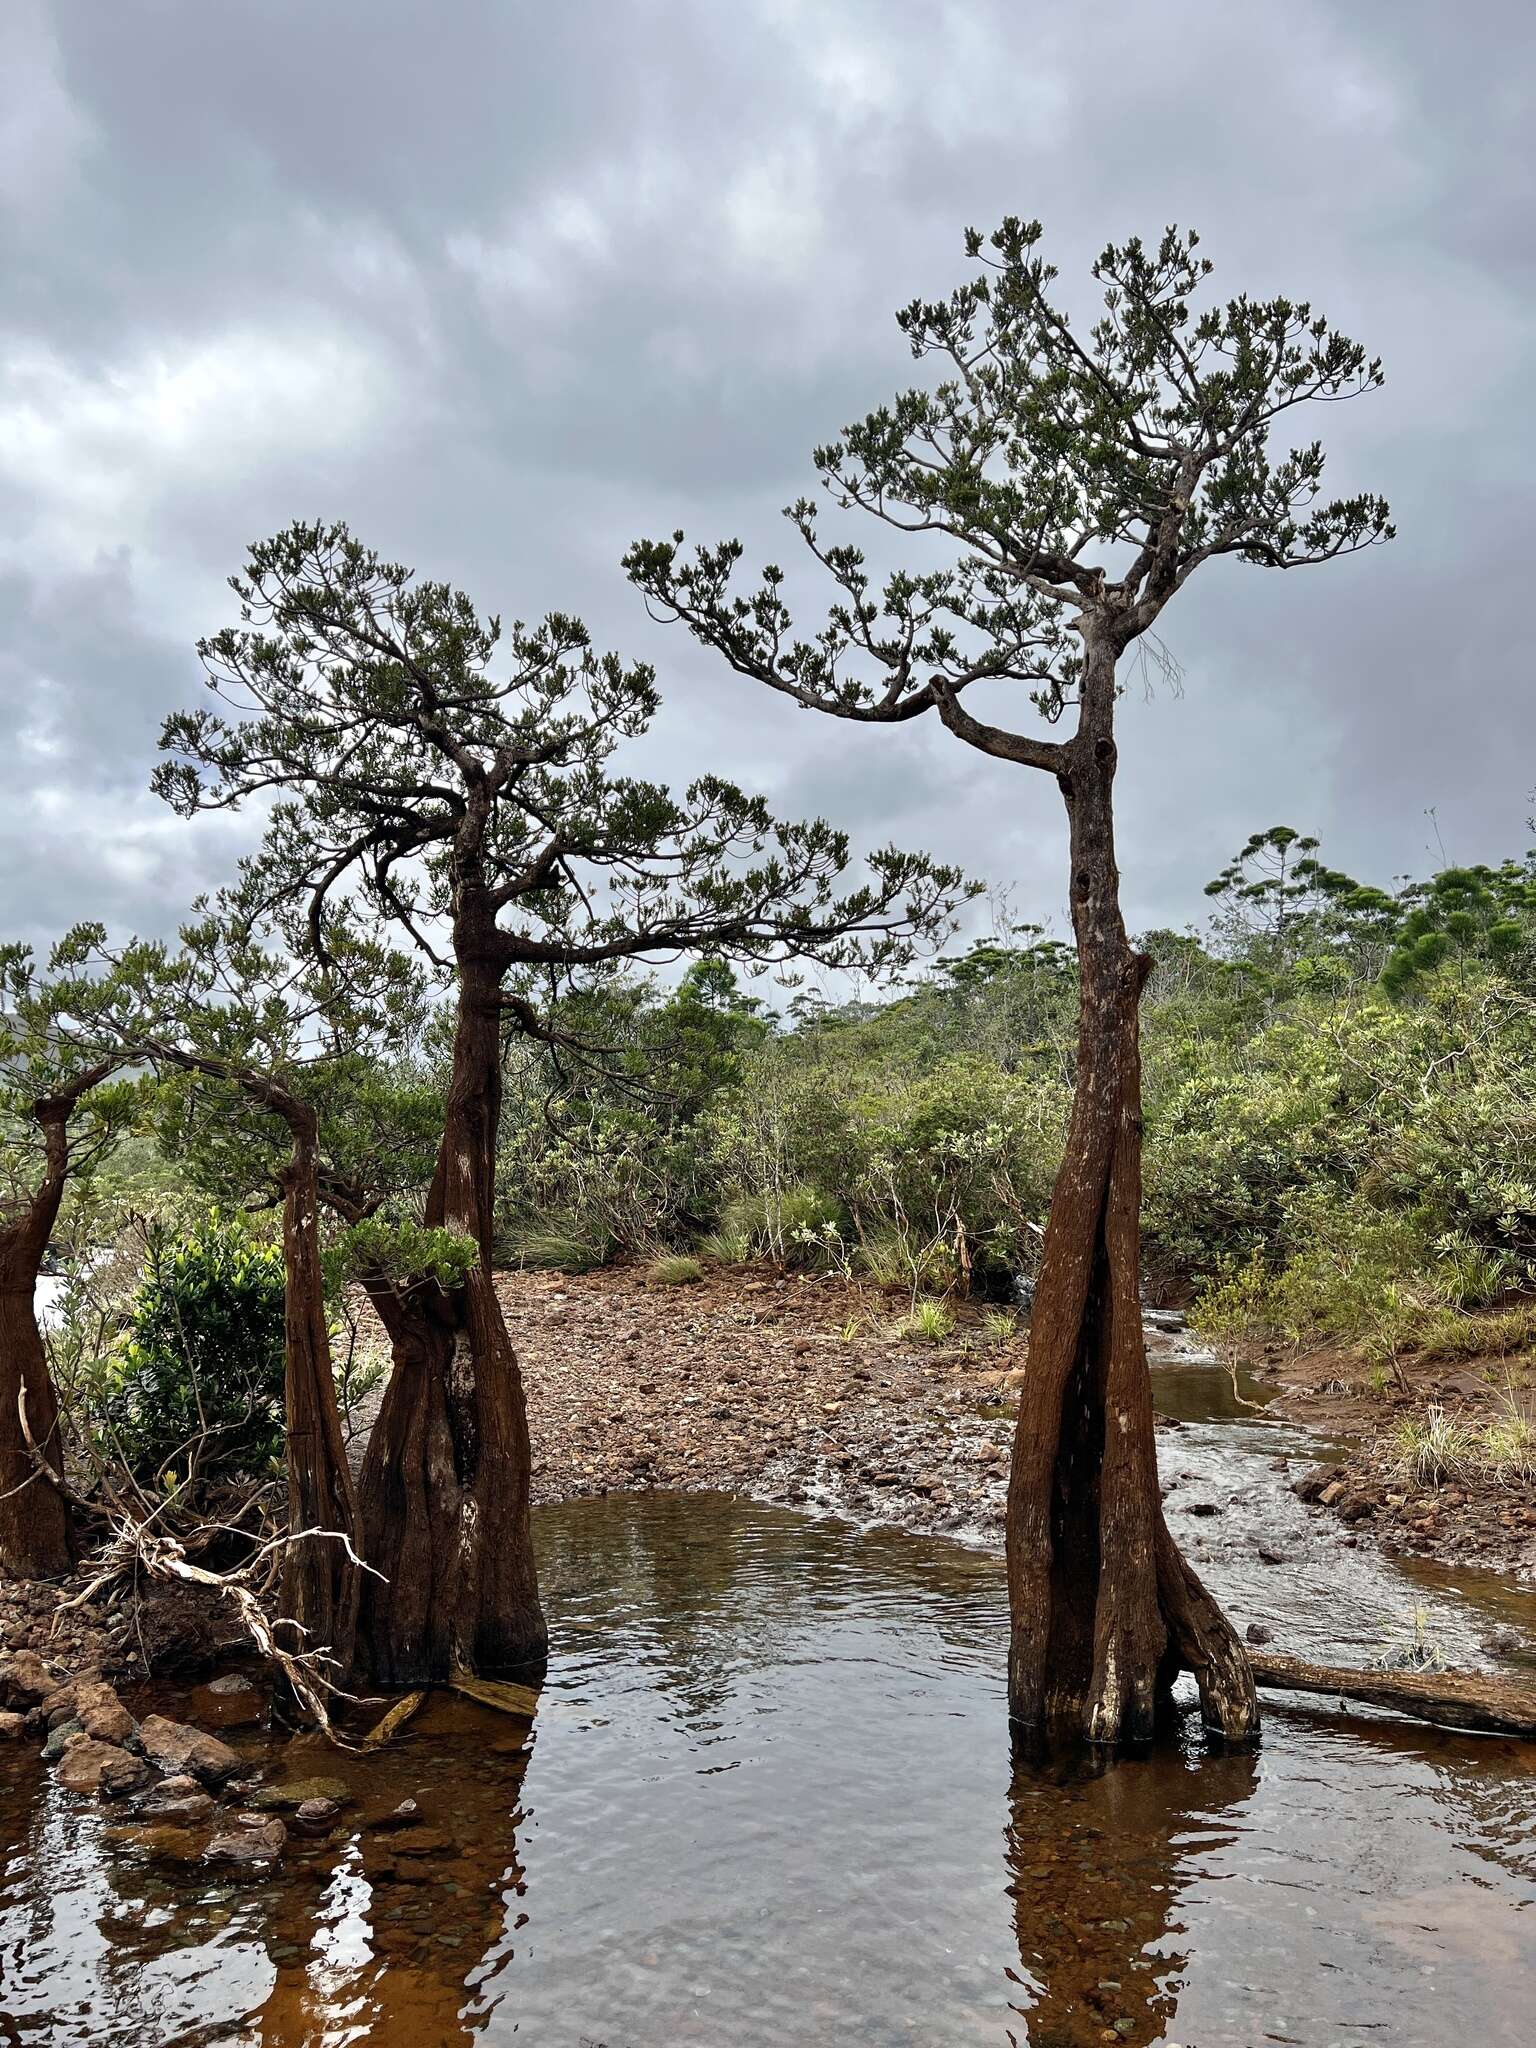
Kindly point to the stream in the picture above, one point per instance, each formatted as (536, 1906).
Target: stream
(768, 1798)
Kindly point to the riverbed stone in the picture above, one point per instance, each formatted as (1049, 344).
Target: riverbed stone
(253, 1840)
(90, 1766)
(102, 1714)
(25, 1680)
(60, 1736)
(12, 1726)
(175, 1747)
(179, 1799)
(287, 1798)
(315, 1816)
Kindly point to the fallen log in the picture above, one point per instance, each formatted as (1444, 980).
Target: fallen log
(1450, 1699)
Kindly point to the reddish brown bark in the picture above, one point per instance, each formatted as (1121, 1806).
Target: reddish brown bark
(321, 1580)
(1104, 1610)
(36, 1533)
(445, 1481)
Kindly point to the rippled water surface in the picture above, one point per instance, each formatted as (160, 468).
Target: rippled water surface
(768, 1798)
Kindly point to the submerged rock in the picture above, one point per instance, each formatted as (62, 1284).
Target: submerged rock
(12, 1726)
(316, 1816)
(180, 1799)
(175, 1747)
(289, 1797)
(252, 1840)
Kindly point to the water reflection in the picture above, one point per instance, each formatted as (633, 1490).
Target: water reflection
(1096, 1857)
(766, 1799)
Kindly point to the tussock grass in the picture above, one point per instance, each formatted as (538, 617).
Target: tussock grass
(554, 1248)
(1432, 1448)
(677, 1269)
(933, 1321)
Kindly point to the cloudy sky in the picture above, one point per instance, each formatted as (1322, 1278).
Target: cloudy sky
(506, 286)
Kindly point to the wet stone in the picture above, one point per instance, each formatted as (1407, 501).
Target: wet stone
(252, 1840)
(287, 1798)
(59, 1739)
(173, 1746)
(88, 1766)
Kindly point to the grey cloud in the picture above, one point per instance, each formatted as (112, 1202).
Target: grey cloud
(507, 286)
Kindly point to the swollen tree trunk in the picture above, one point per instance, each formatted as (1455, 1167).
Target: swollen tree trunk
(1104, 1610)
(36, 1536)
(321, 1579)
(445, 1481)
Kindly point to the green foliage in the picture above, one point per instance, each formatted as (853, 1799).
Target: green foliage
(401, 1250)
(197, 1391)
(933, 1321)
(678, 1269)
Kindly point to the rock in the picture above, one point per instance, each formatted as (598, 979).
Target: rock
(251, 1841)
(59, 1739)
(1268, 1555)
(1257, 1634)
(1331, 1493)
(315, 1816)
(25, 1680)
(232, 1684)
(88, 1766)
(232, 1701)
(1504, 1643)
(102, 1714)
(179, 1799)
(1203, 1507)
(163, 1843)
(1357, 1510)
(289, 1797)
(425, 1842)
(405, 1815)
(173, 1746)
(12, 1726)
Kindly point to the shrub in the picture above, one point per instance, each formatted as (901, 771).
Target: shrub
(199, 1382)
(933, 1321)
(788, 1224)
(999, 1326)
(679, 1269)
(1433, 1448)
(554, 1246)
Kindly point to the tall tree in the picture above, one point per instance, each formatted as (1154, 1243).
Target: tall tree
(454, 779)
(60, 1110)
(275, 1045)
(1077, 481)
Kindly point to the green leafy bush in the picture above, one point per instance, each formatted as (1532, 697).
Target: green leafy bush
(198, 1389)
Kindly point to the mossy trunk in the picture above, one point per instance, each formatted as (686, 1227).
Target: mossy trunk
(445, 1482)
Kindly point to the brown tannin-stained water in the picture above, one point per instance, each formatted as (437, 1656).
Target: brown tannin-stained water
(769, 1799)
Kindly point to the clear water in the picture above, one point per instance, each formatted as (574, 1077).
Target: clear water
(769, 1799)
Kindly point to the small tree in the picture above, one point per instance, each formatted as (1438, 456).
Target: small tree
(455, 780)
(60, 1111)
(279, 1045)
(1080, 481)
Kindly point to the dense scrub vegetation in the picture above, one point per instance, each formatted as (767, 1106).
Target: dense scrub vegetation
(1340, 1105)
(1341, 1144)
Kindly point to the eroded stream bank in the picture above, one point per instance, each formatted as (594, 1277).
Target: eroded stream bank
(767, 1797)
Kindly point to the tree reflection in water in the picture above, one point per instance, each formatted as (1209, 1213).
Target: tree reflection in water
(1097, 1856)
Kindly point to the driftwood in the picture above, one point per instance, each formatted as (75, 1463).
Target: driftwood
(1451, 1699)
